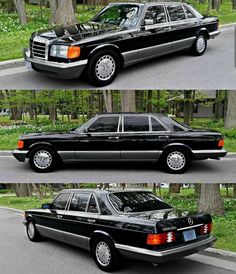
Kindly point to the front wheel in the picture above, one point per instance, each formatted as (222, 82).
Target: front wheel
(105, 254)
(103, 68)
(32, 232)
(176, 161)
(199, 46)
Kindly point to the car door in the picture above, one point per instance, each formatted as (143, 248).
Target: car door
(154, 33)
(183, 25)
(81, 219)
(51, 224)
(100, 140)
(141, 138)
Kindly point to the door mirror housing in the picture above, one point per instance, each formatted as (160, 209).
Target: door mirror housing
(46, 206)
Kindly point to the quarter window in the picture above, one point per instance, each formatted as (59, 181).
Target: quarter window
(176, 12)
(156, 126)
(156, 13)
(61, 201)
(136, 123)
(92, 207)
(79, 202)
(188, 13)
(105, 124)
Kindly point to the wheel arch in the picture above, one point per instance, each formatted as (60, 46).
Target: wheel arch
(203, 30)
(178, 145)
(99, 233)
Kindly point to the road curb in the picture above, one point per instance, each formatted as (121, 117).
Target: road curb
(224, 254)
(12, 209)
(12, 63)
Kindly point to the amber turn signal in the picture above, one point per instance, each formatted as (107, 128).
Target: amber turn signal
(20, 144)
(73, 52)
(221, 143)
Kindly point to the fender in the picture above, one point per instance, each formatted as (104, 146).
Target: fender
(41, 143)
(97, 232)
(203, 30)
(177, 145)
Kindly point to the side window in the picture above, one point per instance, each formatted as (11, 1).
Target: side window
(188, 13)
(61, 201)
(136, 123)
(79, 202)
(176, 12)
(156, 13)
(156, 126)
(105, 124)
(92, 207)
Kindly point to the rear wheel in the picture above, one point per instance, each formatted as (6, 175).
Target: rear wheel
(199, 46)
(43, 159)
(32, 232)
(105, 254)
(176, 160)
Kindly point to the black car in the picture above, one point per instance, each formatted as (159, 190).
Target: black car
(122, 137)
(120, 35)
(131, 223)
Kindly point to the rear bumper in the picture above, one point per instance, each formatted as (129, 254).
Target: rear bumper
(173, 253)
(213, 34)
(61, 70)
(206, 154)
(20, 155)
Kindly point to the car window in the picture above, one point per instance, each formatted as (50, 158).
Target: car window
(172, 124)
(156, 13)
(189, 14)
(61, 201)
(105, 124)
(176, 12)
(156, 126)
(79, 202)
(92, 207)
(136, 123)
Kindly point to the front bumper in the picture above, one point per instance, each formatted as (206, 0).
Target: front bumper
(173, 253)
(61, 70)
(213, 34)
(20, 155)
(209, 154)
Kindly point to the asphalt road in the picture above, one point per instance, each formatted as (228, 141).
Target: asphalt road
(207, 171)
(19, 255)
(214, 70)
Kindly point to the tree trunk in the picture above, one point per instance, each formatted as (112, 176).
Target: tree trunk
(74, 111)
(230, 118)
(187, 106)
(20, 8)
(234, 4)
(197, 189)
(108, 99)
(128, 103)
(234, 191)
(210, 199)
(149, 102)
(174, 188)
(158, 101)
(62, 12)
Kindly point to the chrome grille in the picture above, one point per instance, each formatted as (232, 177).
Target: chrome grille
(38, 49)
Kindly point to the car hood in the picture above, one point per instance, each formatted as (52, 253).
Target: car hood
(46, 135)
(76, 33)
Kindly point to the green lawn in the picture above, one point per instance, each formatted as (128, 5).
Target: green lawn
(223, 227)
(14, 37)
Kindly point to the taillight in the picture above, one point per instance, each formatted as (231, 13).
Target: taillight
(162, 238)
(221, 143)
(20, 144)
(206, 229)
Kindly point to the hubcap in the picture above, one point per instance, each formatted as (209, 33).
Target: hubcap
(176, 160)
(200, 44)
(42, 159)
(31, 230)
(105, 67)
(103, 253)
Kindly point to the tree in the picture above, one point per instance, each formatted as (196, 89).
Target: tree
(210, 199)
(128, 103)
(187, 106)
(108, 99)
(20, 8)
(230, 117)
(62, 12)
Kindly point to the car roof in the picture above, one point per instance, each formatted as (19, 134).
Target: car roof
(132, 113)
(141, 3)
(104, 191)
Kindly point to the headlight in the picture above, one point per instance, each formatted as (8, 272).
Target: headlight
(67, 52)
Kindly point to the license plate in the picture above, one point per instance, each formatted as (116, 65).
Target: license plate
(189, 235)
(28, 65)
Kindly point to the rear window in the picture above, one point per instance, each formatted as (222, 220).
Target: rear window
(128, 202)
(172, 124)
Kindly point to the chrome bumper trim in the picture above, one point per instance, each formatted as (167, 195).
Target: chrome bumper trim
(213, 34)
(209, 151)
(167, 252)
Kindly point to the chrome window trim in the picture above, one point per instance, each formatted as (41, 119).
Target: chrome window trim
(189, 227)
(177, 124)
(161, 123)
(194, 15)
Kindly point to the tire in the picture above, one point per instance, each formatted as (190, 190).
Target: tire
(200, 44)
(32, 232)
(176, 160)
(97, 74)
(105, 254)
(43, 159)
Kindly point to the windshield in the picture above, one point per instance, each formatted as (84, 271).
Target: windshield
(136, 202)
(120, 15)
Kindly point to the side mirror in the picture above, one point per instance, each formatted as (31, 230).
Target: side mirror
(85, 130)
(148, 22)
(46, 206)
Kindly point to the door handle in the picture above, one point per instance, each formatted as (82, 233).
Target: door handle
(114, 138)
(163, 137)
(59, 216)
(91, 220)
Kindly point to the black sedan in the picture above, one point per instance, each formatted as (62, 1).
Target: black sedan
(122, 137)
(120, 35)
(110, 224)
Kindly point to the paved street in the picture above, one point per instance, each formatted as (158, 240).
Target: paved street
(207, 171)
(19, 255)
(214, 70)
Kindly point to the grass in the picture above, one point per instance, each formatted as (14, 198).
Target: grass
(224, 226)
(14, 36)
